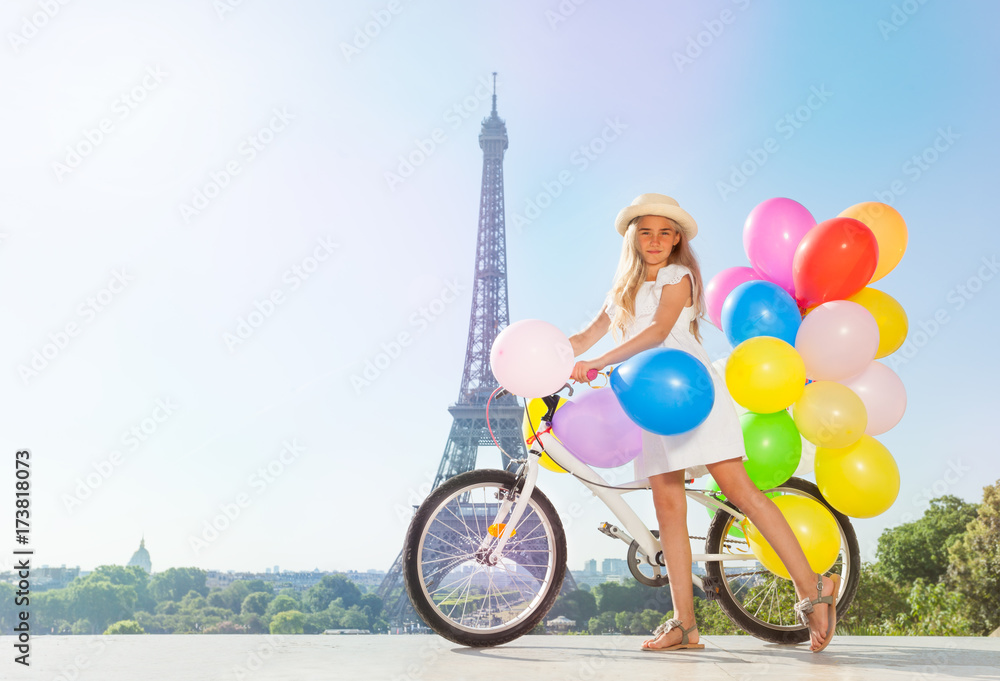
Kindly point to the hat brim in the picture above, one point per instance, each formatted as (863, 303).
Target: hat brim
(675, 213)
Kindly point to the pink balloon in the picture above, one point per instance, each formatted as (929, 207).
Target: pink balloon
(837, 340)
(771, 233)
(721, 286)
(596, 430)
(531, 358)
(882, 391)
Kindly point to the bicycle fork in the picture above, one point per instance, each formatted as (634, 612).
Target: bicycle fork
(505, 526)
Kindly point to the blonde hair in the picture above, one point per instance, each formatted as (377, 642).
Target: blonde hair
(631, 274)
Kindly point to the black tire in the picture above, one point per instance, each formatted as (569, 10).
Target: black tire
(461, 493)
(773, 628)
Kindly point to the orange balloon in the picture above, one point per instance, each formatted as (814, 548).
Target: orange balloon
(889, 229)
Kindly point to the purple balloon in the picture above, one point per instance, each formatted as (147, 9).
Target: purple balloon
(771, 234)
(721, 285)
(596, 430)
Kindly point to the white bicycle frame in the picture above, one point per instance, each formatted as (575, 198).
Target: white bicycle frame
(611, 495)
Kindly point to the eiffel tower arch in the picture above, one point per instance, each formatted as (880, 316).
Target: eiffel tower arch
(489, 316)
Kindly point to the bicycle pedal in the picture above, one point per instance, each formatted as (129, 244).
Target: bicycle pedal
(711, 586)
(614, 532)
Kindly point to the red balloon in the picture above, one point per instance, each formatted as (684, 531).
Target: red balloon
(834, 260)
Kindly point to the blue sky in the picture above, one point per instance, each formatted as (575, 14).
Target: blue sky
(205, 277)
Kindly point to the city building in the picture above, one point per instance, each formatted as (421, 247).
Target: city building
(141, 557)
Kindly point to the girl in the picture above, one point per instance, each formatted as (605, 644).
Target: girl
(655, 301)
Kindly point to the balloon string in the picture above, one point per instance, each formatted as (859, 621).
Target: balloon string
(531, 438)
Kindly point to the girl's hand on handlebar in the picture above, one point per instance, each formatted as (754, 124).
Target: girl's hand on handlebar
(582, 368)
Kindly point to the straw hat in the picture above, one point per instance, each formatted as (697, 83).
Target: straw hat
(656, 204)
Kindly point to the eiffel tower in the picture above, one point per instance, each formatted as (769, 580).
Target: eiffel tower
(489, 316)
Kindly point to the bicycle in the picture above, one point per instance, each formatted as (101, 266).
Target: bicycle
(477, 584)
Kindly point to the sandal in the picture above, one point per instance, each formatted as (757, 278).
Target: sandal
(805, 607)
(670, 624)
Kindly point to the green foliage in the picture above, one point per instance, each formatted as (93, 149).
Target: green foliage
(82, 627)
(934, 611)
(602, 624)
(974, 567)
(878, 600)
(173, 583)
(282, 603)
(328, 589)
(256, 603)
(226, 627)
(288, 622)
(631, 597)
(578, 606)
(919, 550)
(124, 627)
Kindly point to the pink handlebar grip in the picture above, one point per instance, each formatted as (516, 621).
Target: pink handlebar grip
(592, 374)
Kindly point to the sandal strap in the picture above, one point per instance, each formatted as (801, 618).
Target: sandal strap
(674, 623)
(805, 606)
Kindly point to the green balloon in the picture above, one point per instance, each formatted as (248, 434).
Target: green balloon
(773, 447)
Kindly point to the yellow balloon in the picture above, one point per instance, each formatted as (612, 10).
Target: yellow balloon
(812, 524)
(889, 229)
(765, 374)
(889, 315)
(830, 414)
(861, 480)
(536, 410)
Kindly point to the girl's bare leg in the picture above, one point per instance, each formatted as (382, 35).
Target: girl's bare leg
(737, 486)
(671, 514)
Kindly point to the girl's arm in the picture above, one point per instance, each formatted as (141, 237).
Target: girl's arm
(672, 300)
(586, 339)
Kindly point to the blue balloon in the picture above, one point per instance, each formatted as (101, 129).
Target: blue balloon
(665, 391)
(760, 308)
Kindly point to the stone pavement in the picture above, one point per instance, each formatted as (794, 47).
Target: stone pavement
(534, 658)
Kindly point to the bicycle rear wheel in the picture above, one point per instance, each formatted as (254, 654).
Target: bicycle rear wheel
(759, 601)
(454, 590)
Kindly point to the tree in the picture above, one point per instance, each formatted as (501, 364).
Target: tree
(974, 567)
(102, 602)
(576, 605)
(174, 583)
(919, 550)
(131, 575)
(256, 603)
(124, 627)
(226, 627)
(282, 603)
(354, 619)
(934, 611)
(603, 623)
(328, 589)
(288, 622)
(877, 601)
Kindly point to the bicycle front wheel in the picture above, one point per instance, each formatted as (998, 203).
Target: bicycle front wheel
(449, 582)
(756, 599)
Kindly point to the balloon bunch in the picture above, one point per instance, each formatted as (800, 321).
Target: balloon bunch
(806, 330)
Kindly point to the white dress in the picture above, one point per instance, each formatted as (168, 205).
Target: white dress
(720, 436)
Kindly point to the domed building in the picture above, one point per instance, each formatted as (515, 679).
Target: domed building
(141, 557)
